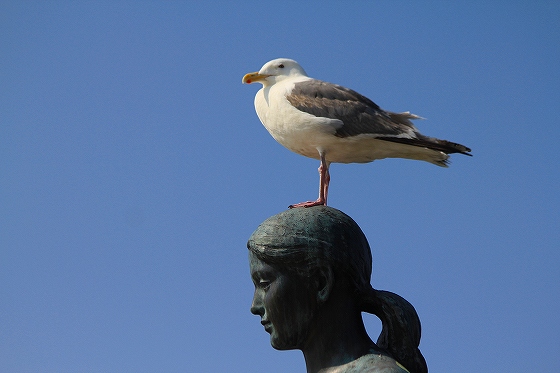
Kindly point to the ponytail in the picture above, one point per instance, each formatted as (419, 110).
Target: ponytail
(400, 333)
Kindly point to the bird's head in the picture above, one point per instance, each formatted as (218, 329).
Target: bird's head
(275, 71)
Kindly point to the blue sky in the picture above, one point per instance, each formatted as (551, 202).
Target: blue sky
(133, 169)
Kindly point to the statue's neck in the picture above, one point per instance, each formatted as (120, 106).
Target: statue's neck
(335, 342)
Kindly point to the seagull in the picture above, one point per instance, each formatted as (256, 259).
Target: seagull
(333, 123)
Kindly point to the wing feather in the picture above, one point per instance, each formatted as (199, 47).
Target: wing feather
(360, 115)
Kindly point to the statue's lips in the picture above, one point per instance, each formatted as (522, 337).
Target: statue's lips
(267, 325)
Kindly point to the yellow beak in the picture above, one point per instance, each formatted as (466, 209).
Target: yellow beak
(253, 77)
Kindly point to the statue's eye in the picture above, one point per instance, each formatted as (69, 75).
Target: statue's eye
(281, 66)
(264, 284)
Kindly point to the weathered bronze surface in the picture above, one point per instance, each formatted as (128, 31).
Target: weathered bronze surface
(311, 268)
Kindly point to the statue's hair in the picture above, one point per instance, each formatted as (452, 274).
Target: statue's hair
(304, 239)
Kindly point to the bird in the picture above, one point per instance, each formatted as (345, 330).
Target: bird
(335, 124)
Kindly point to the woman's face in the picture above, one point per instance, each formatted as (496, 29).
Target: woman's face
(285, 302)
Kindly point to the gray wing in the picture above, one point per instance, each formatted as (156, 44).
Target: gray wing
(360, 115)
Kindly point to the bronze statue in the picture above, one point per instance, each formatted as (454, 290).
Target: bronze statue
(311, 268)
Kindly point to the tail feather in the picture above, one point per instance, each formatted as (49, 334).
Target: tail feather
(444, 146)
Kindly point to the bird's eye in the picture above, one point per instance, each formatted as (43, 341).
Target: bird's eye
(281, 66)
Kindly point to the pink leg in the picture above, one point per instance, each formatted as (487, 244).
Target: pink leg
(324, 180)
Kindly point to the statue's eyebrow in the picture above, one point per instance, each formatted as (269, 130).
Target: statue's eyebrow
(266, 274)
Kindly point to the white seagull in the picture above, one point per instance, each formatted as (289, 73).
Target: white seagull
(332, 123)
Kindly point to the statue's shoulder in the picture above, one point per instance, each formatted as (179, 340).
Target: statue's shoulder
(370, 363)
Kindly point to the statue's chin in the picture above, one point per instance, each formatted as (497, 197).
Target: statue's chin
(282, 345)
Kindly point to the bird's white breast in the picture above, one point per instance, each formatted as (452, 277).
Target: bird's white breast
(298, 131)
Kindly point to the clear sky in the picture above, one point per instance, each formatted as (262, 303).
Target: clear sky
(133, 168)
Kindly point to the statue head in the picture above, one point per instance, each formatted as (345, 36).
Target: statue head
(295, 257)
(301, 258)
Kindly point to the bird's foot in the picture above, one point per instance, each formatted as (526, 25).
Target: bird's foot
(319, 202)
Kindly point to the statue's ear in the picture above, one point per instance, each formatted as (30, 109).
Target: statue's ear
(325, 283)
